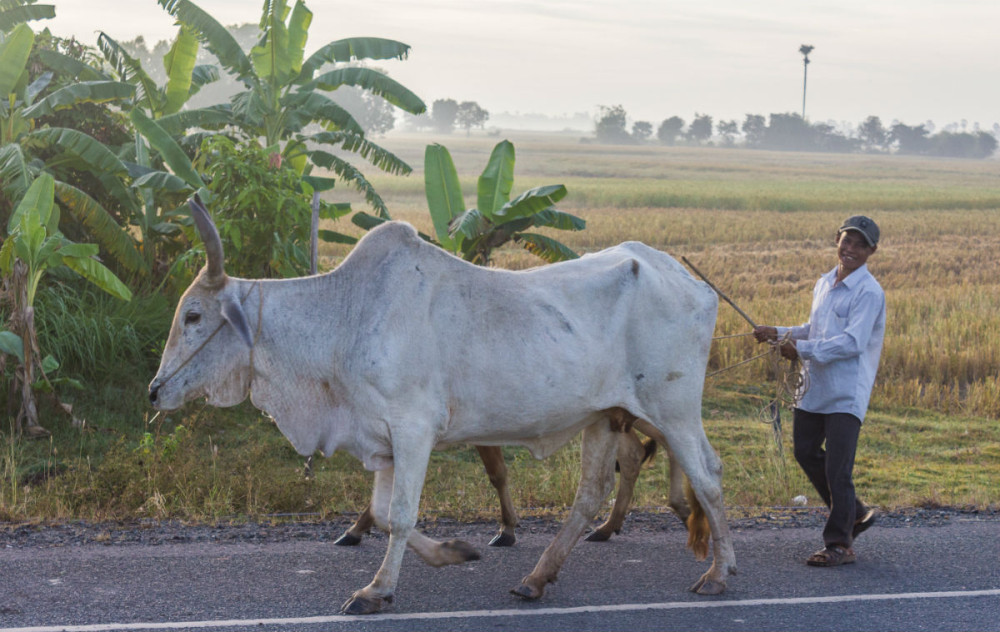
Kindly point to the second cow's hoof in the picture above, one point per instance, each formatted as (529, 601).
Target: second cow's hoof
(458, 551)
(708, 586)
(527, 592)
(359, 604)
(598, 536)
(348, 539)
(503, 539)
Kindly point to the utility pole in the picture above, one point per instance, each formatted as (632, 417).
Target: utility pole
(805, 49)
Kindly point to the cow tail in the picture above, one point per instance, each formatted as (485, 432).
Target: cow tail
(650, 450)
(697, 524)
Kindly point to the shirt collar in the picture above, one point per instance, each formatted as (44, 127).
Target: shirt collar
(852, 279)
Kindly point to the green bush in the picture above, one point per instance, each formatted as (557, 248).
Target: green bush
(262, 215)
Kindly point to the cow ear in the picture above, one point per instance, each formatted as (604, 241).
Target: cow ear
(233, 312)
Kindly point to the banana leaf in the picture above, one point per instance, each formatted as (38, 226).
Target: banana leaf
(91, 151)
(169, 150)
(9, 18)
(545, 247)
(497, 180)
(106, 231)
(130, 70)
(532, 201)
(70, 67)
(179, 62)
(353, 49)
(444, 194)
(96, 273)
(11, 344)
(303, 108)
(77, 93)
(14, 52)
(551, 218)
(348, 173)
(373, 81)
(216, 38)
(356, 144)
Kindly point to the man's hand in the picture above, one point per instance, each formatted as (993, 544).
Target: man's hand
(763, 333)
(788, 350)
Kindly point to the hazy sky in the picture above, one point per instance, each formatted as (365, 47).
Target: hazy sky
(911, 60)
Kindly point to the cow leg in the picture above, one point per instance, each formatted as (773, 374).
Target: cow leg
(496, 469)
(629, 458)
(596, 481)
(703, 468)
(395, 501)
(361, 526)
(677, 500)
(678, 503)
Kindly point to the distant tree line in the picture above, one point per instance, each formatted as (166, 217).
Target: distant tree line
(790, 132)
(447, 114)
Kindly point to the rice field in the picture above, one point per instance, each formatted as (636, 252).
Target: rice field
(760, 225)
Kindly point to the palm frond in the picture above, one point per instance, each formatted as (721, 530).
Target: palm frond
(357, 144)
(348, 173)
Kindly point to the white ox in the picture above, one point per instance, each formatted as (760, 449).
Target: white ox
(405, 348)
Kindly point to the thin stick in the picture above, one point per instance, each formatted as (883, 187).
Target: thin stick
(719, 292)
(314, 235)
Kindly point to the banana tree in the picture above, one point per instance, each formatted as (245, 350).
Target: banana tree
(475, 233)
(14, 12)
(33, 248)
(284, 91)
(28, 147)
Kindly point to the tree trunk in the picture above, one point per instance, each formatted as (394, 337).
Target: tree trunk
(22, 323)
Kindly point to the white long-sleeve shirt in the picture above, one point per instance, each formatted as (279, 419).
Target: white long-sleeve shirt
(841, 344)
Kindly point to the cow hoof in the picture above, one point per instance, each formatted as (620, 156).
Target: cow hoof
(348, 539)
(359, 604)
(527, 592)
(708, 586)
(458, 551)
(598, 536)
(503, 539)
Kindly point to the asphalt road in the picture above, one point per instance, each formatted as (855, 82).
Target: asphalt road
(943, 575)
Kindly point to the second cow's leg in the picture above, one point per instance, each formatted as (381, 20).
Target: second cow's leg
(496, 469)
(629, 458)
(596, 481)
(361, 526)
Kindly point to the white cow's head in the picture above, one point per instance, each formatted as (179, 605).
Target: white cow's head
(208, 351)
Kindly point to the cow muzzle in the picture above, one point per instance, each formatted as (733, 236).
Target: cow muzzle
(153, 393)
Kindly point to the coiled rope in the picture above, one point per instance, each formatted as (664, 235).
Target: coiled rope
(792, 381)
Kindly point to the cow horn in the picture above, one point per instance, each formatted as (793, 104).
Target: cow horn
(210, 237)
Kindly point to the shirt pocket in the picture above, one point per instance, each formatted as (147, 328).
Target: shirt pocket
(842, 308)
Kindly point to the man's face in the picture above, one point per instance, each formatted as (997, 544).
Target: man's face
(853, 251)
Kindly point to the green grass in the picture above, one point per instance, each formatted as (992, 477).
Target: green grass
(760, 224)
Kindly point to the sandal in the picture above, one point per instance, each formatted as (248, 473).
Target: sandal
(861, 524)
(832, 555)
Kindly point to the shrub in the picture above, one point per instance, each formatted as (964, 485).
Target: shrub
(261, 213)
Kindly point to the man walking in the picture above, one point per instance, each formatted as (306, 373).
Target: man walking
(839, 348)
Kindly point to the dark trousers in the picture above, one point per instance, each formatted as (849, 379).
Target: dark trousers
(830, 467)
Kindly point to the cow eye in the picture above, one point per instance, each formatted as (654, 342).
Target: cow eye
(192, 318)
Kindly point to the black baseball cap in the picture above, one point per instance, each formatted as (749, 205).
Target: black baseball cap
(864, 225)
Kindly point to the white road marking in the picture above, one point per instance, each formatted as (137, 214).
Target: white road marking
(479, 614)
